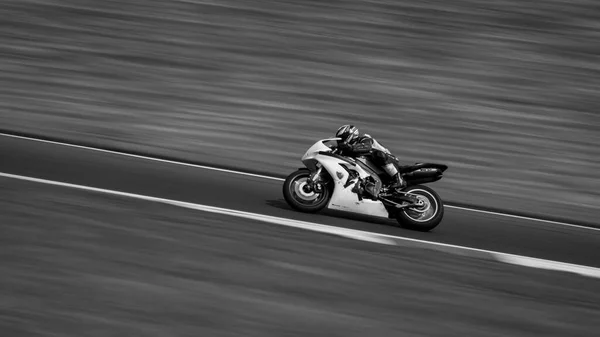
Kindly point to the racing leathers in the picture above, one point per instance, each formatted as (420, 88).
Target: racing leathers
(367, 146)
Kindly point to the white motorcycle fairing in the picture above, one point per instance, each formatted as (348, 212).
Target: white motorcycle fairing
(342, 199)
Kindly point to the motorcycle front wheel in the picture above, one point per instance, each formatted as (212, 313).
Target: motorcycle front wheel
(299, 196)
(425, 217)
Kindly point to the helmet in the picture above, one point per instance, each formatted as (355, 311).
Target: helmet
(347, 133)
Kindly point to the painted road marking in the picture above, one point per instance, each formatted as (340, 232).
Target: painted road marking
(340, 231)
(143, 157)
(277, 179)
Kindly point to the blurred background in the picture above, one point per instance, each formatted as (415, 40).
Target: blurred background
(504, 92)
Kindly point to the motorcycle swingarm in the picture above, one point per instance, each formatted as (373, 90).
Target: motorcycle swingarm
(406, 197)
(397, 205)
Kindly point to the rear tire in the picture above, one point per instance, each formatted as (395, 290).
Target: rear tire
(299, 199)
(425, 218)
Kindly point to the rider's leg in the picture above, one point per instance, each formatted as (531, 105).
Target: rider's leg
(388, 163)
(392, 171)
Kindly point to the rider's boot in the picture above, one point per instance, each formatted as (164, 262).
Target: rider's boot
(397, 181)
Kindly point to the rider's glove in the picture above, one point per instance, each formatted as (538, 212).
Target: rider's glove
(344, 147)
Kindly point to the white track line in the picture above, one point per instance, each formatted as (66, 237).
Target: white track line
(340, 231)
(142, 157)
(278, 179)
(550, 265)
(523, 218)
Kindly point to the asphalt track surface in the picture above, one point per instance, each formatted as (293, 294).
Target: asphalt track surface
(261, 195)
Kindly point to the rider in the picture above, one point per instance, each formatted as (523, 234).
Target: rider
(352, 144)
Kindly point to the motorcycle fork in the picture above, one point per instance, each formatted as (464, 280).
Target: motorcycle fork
(314, 181)
(316, 176)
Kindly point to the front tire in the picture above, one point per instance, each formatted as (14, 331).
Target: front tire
(426, 217)
(299, 198)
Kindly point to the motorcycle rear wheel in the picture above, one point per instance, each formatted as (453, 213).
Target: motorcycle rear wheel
(426, 217)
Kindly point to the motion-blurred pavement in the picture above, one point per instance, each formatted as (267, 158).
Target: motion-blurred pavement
(504, 92)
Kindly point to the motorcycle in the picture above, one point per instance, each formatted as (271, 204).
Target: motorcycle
(330, 180)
